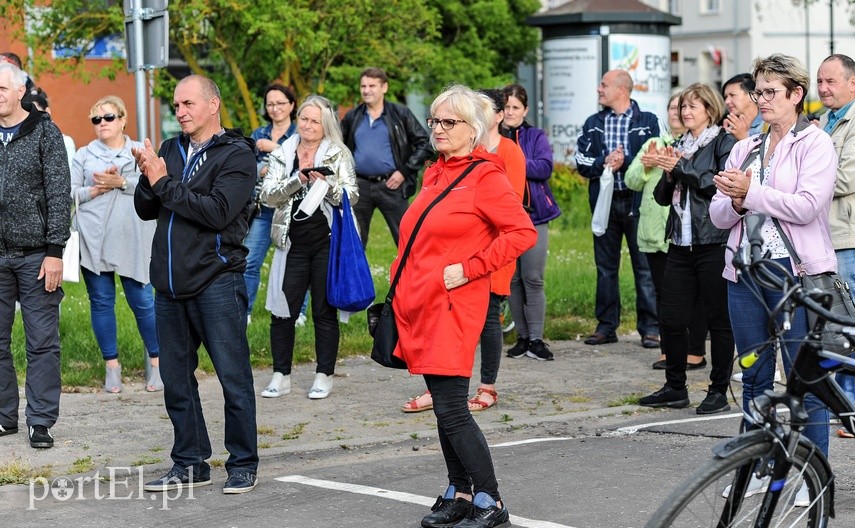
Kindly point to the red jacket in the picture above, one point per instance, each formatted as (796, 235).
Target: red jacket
(481, 224)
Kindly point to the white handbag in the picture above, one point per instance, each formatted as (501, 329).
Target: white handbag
(71, 253)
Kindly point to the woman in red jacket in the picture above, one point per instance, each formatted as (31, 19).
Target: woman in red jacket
(444, 290)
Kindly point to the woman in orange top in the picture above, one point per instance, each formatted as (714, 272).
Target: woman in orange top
(443, 293)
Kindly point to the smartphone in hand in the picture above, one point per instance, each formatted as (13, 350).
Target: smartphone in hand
(326, 171)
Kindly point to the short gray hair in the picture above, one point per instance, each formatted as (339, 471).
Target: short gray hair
(209, 88)
(473, 107)
(789, 70)
(19, 78)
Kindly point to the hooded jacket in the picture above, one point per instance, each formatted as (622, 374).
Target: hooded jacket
(202, 208)
(410, 141)
(537, 195)
(35, 190)
(797, 192)
(480, 224)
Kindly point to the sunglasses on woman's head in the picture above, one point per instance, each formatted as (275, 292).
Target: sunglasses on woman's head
(96, 120)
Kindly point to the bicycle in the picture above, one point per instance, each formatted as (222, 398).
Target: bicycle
(753, 478)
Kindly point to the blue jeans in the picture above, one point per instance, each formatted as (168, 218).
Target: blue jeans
(40, 313)
(257, 241)
(846, 270)
(748, 318)
(607, 248)
(466, 453)
(216, 317)
(102, 307)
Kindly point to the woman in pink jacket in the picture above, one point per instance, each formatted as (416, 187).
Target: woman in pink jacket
(442, 296)
(787, 174)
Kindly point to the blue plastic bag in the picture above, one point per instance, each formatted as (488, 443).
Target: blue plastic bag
(349, 283)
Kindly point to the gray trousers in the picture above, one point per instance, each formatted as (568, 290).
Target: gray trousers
(40, 312)
(528, 300)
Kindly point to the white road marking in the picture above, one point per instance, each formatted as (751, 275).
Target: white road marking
(632, 429)
(401, 497)
(532, 441)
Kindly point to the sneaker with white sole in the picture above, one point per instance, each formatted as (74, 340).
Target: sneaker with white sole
(755, 486)
(802, 499)
(278, 386)
(322, 387)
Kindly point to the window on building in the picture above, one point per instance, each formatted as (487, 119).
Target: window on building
(675, 69)
(709, 7)
(674, 7)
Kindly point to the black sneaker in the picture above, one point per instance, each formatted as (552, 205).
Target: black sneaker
(12, 429)
(539, 350)
(240, 481)
(485, 513)
(715, 402)
(519, 349)
(177, 478)
(666, 397)
(40, 437)
(447, 511)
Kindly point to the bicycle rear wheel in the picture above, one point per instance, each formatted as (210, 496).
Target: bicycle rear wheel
(698, 502)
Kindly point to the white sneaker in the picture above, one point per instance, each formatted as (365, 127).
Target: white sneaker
(279, 385)
(802, 497)
(301, 320)
(322, 387)
(738, 376)
(755, 486)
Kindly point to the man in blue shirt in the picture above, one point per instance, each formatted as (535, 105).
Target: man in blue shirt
(389, 148)
(835, 85)
(743, 117)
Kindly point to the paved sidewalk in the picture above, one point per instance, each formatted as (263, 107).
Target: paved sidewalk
(132, 428)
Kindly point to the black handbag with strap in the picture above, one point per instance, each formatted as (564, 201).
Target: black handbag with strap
(381, 316)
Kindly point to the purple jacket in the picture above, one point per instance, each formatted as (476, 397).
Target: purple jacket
(797, 192)
(538, 169)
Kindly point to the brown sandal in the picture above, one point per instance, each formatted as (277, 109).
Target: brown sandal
(476, 404)
(412, 406)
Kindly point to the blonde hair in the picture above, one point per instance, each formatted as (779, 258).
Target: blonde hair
(708, 97)
(473, 107)
(789, 70)
(117, 103)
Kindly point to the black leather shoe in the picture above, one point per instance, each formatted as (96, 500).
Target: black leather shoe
(666, 397)
(447, 512)
(697, 366)
(650, 341)
(485, 513)
(600, 339)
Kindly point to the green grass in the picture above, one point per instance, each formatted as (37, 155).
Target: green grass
(570, 286)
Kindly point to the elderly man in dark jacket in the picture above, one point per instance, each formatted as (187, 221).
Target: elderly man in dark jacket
(389, 148)
(35, 207)
(612, 137)
(198, 188)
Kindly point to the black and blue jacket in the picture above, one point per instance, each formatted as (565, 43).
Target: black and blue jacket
(202, 210)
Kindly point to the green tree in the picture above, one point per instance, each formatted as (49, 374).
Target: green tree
(315, 46)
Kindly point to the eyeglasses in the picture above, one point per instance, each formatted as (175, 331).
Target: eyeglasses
(447, 124)
(273, 106)
(96, 120)
(768, 94)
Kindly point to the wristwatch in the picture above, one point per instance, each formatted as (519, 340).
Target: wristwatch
(124, 185)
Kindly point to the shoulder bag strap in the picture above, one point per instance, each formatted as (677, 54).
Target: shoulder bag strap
(421, 219)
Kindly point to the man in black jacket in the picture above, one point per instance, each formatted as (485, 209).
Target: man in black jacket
(198, 188)
(389, 147)
(35, 207)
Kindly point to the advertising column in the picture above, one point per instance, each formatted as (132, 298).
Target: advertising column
(647, 58)
(571, 72)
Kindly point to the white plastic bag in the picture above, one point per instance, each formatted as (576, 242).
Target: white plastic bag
(600, 219)
(71, 253)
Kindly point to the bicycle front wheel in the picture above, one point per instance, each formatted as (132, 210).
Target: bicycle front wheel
(702, 500)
